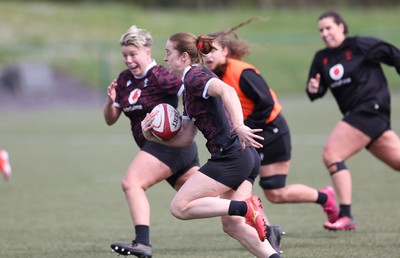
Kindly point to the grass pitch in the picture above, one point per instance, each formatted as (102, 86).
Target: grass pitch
(65, 200)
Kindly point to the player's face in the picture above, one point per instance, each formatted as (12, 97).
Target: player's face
(332, 34)
(136, 59)
(174, 59)
(216, 57)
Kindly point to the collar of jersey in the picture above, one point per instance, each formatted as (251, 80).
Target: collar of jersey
(186, 70)
(151, 65)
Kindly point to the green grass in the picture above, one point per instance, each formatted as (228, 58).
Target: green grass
(64, 199)
(83, 38)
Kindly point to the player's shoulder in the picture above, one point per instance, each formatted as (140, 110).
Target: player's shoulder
(366, 43)
(124, 77)
(160, 70)
(367, 39)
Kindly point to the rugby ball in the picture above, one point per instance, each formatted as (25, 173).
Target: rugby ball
(167, 122)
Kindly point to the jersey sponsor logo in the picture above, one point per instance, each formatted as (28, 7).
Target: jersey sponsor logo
(133, 108)
(128, 83)
(134, 96)
(145, 82)
(336, 72)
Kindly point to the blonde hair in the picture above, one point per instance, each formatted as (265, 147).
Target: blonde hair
(136, 37)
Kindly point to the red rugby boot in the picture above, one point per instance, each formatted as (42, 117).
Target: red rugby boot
(255, 216)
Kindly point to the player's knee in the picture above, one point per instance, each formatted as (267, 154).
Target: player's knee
(125, 185)
(132, 185)
(231, 225)
(227, 226)
(177, 210)
(272, 186)
(275, 196)
(336, 167)
(396, 166)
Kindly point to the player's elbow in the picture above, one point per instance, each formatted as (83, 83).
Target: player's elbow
(109, 122)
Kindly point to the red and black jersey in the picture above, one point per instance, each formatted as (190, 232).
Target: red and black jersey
(138, 96)
(259, 102)
(208, 113)
(354, 74)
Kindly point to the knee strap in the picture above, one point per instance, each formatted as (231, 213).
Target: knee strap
(336, 167)
(273, 182)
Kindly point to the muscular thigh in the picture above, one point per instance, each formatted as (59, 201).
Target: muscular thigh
(387, 148)
(344, 141)
(147, 170)
(198, 186)
(277, 168)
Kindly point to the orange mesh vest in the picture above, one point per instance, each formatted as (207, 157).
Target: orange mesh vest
(232, 75)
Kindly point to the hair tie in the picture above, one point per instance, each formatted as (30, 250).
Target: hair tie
(200, 42)
(200, 45)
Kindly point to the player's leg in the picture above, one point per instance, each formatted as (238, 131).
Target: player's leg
(237, 228)
(198, 197)
(183, 178)
(144, 171)
(387, 149)
(273, 182)
(343, 142)
(275, 164)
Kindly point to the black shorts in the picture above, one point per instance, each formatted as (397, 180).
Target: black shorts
(277, 145)
(233, 166)
(370, 121)
(179, 160)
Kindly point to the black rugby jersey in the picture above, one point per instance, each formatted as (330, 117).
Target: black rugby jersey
(208, 113)
(138, 96)
(354, 74)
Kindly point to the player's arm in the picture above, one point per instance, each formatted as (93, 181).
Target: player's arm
(257, 90)
(110, 111)
(185, 137)
(380, 51)
(315, 87)
(228, 95)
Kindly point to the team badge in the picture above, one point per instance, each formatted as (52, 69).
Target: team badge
(134, 96)
(336, 72)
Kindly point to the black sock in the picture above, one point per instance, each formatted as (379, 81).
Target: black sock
(237, 208)
(322, 198)
(275, 256)
(142, 234)
(345, 211)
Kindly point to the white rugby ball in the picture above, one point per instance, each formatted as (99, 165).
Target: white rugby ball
(167, 122)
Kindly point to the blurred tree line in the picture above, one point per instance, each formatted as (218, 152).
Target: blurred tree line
(200, 4)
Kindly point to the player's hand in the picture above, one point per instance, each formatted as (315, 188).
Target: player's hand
(313, 84)
(147, 125)
(248, 136)
(111, 93)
